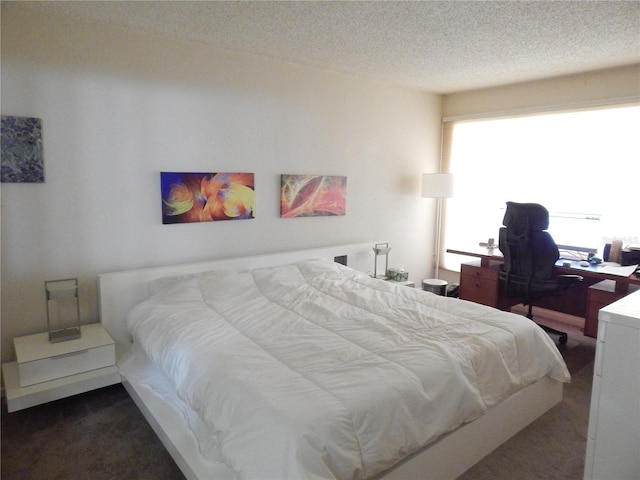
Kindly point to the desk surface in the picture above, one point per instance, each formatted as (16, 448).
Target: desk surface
(479, 252)
(604, 272)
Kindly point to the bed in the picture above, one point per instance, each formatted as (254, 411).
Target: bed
(291, 365)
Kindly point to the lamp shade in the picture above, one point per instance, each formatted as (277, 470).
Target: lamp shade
(437, 185)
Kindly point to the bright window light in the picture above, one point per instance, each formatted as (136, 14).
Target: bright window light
(580, 165)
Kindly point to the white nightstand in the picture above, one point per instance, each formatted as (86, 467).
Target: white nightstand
(45, 371)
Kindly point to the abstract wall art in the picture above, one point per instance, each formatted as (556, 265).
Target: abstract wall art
(206, 197)
(21, 145)
(313, 195)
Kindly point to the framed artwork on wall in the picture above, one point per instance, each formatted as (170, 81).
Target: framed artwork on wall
(21, 145)
(313, 195)
(206, 197)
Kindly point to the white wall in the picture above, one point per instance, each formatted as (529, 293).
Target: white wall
(118, 108)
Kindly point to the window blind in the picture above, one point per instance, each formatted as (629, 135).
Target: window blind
(579, 164)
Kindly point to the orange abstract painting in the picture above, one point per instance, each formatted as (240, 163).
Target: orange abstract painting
(312, 195)
(206, 197)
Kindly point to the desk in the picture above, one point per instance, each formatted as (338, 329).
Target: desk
(480, 283)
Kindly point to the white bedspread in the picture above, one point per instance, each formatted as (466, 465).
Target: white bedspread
(314, 370)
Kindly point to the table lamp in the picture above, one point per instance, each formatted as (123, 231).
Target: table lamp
(381, 249)
(63, 310)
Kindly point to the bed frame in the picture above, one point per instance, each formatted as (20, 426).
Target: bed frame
(446, 458)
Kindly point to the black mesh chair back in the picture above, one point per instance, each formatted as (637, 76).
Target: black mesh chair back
(530, 255)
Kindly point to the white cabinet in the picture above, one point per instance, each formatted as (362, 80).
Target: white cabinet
(45, 371)
(613, 443)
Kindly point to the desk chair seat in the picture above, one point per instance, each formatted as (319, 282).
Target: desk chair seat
(530, 255)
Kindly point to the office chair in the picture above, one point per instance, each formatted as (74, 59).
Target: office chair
(530, 255)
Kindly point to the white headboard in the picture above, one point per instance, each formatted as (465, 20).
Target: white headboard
(119, 292)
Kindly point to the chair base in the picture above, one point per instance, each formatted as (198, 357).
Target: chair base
(563, 337)
(562, 340)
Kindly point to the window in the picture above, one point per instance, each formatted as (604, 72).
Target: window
(580, 165)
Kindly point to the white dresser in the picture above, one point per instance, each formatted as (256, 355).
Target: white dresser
(45, 371)
(613, 444)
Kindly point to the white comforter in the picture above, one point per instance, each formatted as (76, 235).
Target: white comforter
(314, 370)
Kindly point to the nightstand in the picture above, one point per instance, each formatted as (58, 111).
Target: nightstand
(45, 371)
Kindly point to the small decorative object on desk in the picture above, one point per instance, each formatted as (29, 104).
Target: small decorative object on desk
(491, 244)
(397, 274)
(63, 310)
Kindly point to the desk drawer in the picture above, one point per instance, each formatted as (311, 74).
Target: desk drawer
(479, 284)
(485, 273)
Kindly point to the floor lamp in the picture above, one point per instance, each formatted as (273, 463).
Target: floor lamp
(437, 185)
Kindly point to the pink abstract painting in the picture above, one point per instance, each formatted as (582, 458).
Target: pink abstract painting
(313, 195)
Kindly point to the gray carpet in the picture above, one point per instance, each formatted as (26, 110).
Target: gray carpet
(98, 435)
(102, 435)
(552, 447)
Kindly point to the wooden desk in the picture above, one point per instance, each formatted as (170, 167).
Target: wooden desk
(480, 283)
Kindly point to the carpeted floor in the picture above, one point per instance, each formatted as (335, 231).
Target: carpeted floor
(554, 446)
(98, 435)
(102, 435)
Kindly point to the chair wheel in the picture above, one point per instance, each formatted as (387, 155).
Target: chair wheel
(563, 339)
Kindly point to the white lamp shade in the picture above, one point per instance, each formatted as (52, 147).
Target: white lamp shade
(437, 185)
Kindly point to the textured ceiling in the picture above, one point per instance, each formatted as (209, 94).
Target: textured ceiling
(438, 46)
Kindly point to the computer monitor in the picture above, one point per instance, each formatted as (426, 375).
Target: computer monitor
(576, 233)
